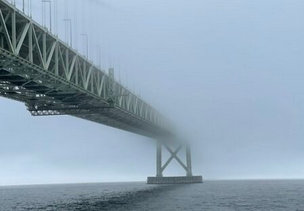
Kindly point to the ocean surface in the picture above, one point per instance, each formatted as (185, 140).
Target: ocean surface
(211, 195)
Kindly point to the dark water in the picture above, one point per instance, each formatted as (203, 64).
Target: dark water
(212, 195)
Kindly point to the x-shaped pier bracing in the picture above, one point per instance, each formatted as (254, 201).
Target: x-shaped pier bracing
(160, 168)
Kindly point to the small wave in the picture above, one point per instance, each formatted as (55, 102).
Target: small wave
(119, 201)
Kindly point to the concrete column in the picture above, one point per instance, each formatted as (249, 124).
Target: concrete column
(159, 172)
(189, 164)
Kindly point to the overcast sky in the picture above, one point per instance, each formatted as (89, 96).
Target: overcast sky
(228, 73)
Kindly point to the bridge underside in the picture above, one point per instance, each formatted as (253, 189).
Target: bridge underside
(52, 78)
(46, 94)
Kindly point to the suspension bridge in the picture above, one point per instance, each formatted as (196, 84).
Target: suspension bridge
(51, 78)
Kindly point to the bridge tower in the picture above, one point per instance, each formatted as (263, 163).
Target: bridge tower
(160, 168)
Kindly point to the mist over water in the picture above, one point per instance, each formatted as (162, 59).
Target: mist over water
(228, 74)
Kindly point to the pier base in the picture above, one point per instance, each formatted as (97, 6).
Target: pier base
(175, 180)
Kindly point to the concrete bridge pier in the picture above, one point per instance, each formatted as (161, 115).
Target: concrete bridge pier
(160, 179)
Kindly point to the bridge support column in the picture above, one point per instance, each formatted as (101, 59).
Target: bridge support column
(160, 179)
(159, 172)
(189, 164)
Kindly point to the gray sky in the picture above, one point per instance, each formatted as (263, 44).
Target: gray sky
(228, 73)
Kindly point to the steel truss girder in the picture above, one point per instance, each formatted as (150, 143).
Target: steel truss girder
(42, 67)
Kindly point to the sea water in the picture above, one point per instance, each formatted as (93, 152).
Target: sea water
(211, 195)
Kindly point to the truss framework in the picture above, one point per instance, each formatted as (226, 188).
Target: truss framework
(51, 78)
(160, 168)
